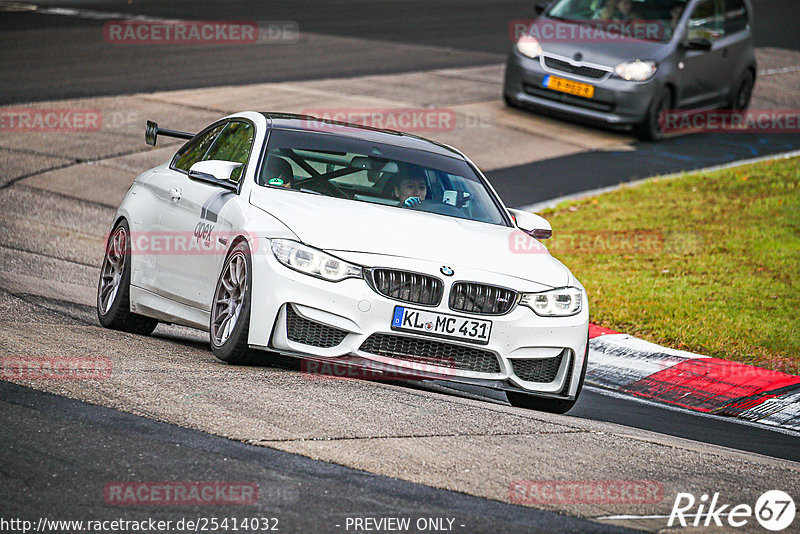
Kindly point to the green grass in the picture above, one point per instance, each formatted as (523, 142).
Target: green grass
(707, 262)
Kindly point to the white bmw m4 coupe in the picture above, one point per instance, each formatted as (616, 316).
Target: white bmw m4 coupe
(331, 242)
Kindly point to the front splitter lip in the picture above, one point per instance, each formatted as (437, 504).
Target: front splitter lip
(383, 372)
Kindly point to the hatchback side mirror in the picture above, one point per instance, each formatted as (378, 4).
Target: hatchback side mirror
(532, 224)
(215, 172)
(703, 45)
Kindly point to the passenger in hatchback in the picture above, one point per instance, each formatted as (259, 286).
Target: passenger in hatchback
(620, 10)
(675, 12)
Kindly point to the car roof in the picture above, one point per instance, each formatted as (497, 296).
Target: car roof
(291, 121)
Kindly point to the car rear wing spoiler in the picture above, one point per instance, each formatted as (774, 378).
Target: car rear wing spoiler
(152, 130)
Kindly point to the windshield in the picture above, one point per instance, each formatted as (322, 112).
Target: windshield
(364, 171)
(651, 20)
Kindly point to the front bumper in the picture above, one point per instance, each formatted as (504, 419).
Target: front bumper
(616, 102)
(350, 323)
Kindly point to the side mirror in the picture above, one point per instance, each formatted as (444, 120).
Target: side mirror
(532, 224)
(215, 172)
(704, 45)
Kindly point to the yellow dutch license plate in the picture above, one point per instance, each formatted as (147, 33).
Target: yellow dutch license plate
(568, 86)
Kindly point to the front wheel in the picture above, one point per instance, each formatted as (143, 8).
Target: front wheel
(113, 289)
(651, 128)
(230, 311)
(742, 92)
(532, 402)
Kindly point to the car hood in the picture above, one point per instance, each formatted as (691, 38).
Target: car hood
(334, 225)
(608, 52)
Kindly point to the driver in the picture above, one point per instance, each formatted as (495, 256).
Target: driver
(620, 10)
(411, 189)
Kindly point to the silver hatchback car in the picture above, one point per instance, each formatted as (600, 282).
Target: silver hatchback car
(629, 62)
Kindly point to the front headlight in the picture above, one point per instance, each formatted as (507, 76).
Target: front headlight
(311, 261)
(561, 302)
(529, 46)
(636, 71)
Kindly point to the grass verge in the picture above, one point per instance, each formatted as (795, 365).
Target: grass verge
(706, 262)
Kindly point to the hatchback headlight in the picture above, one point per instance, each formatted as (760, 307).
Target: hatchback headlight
(311, 261)
(529, 47)
(636, 71)
(561, 302)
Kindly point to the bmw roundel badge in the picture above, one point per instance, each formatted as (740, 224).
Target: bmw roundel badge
(447, 271)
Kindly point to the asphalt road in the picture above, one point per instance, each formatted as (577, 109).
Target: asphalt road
(61, 451)
(523, 185)
(598, 405)
(46, 56)
(59, 454)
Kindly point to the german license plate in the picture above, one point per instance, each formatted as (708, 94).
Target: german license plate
(441, 325)
(568, 86)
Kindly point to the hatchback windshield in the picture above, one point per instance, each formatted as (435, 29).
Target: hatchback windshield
(660, 16)
(364, 171)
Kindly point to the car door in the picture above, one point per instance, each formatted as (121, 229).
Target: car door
(197, 222)
(704, 75)
(167, 187)
(737, 42)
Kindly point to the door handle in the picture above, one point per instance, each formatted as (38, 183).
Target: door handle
(176, 194)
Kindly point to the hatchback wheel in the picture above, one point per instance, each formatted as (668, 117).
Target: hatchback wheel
(651, 127)
(742, 92)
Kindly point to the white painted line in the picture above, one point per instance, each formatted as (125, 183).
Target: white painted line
(69, 12)
(784, 70)
(619, 517)
(610, 393)
(546, 204)
(624, 517)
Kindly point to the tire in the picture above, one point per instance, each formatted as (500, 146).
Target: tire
(742, 92)
(114, 286)
(532, 402)
(229, 325)
(650, 128)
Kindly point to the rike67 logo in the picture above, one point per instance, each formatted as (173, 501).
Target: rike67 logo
(774, 510)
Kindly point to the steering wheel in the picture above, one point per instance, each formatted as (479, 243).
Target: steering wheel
(324, 187)
(433, 206)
